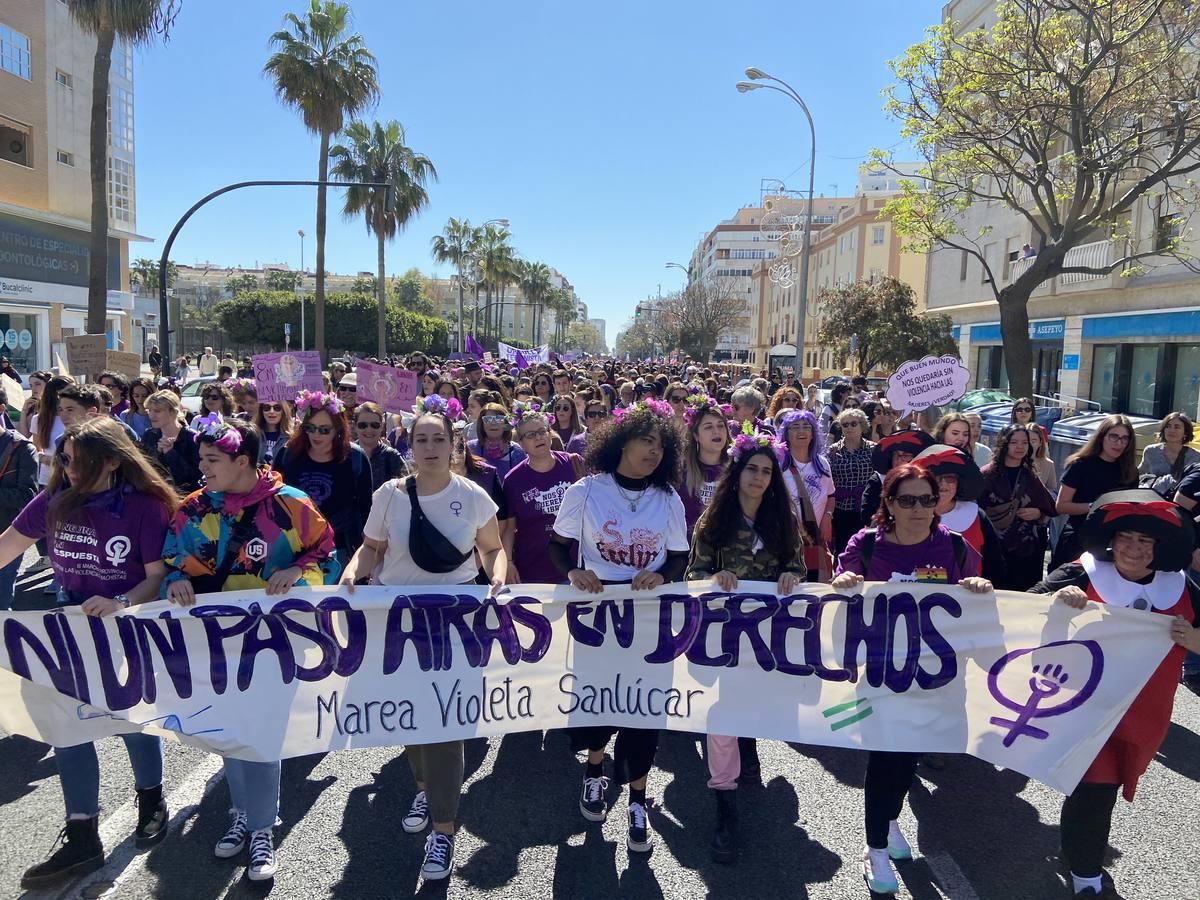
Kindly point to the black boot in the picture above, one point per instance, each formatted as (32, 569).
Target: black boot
(152, 817)
(81, 852)
(751, 770)
(724, 847)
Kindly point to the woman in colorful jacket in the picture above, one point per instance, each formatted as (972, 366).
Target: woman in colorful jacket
(245, 530)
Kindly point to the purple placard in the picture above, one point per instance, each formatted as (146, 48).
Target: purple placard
(281, 376)
(395, 390)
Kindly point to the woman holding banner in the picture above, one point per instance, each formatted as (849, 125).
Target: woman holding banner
(748, 532)
(631, 530)
(104, 514)
(426, 529)
(905, 541)
(206, 552)
(1137, 548)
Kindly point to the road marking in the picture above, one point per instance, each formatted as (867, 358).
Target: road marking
(950, 876)
(125, 861)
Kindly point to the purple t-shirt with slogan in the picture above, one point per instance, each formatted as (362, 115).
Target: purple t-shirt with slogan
(104, 547)
(932, 561)
(533, 499)
(695, 504)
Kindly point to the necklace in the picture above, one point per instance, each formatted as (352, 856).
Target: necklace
(633, 500)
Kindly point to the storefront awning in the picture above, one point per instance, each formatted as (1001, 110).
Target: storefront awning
(783, 350)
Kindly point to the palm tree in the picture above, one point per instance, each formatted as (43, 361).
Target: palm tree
(378, 153)
(143, 272)
(534, 281)
(134, 22)
(454, 246)
(329, 76)
(495, 256)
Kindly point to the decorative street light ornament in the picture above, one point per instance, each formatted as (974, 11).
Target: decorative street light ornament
(791, 243)
(771, 225)
(782, 274)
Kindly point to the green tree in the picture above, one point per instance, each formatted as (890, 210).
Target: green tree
(241, 284)
(363, 284)
(135, 22)
(379, 154)
(534, 282)
(144, 272)
(281, 280)
(584, 336)
(455, 246)
(329, 76)
(411, 291)
(495, 255)
(1079, 116)
(883, 319)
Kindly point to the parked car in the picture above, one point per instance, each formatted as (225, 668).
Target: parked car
(1070, 434)
(189, 397)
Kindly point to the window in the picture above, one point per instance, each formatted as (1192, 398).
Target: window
(962, 267)
(120, 119)
(120, 190)
(122, 61)
(67, 159)
(14, 143)
(877, 235)
(14, 53)
(1187, 377)
(64, 78)
(1104, 376)
(1170, 230)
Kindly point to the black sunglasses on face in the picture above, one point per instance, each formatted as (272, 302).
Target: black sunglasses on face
(368, 424)
(595, 414)
(272, 407)
(318, 429)
(908, 501)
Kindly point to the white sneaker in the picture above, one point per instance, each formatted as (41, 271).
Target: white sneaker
(439, 856)
(417, 819)
(262, 856)
(878, 873)
(898, 847)
(234, 840)
(640, 838)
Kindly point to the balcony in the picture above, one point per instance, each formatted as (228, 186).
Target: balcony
(1095, 254)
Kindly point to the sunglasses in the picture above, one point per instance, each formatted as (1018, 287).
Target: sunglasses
(361, 425)
(271, 407)
(347, 388)
(851, 425)
(595, 414)
(213, 397)
(318, 429)
(678, 398)
(908, 501)
(492, 420)
(1022, 409)
(565, 409)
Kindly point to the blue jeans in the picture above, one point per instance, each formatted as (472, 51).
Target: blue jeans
(254, 789)
(8, 579)
(79, 771)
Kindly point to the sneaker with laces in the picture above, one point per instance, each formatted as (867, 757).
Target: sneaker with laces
(641, 839)
(878, 873)
(898, 846)
(417, 819)
(439, 856)
(234, 840)
(593, 802)
(262, 856)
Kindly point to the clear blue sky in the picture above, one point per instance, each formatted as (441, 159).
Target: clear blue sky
(609, 134)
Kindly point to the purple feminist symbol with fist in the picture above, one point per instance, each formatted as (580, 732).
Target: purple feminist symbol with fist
(1066, 670)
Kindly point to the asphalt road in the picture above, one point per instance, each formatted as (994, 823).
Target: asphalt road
(978, 832)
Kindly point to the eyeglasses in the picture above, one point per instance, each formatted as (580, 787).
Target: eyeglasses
(350, 388)
(678, 398)
(1119, 438)
(908, 501)
(851, 424)
(318, 429)
(595, 414)
(492, 420)
(534, 435)
(271, 407)
(361, 425)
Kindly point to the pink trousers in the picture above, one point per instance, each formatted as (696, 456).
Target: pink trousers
(724, 762)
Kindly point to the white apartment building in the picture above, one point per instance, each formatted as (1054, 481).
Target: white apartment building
(46, 65)
(1127, 343)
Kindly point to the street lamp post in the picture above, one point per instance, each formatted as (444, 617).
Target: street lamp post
(755, 75)
(301, 286)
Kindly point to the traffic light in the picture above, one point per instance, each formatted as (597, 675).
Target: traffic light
(637, 311)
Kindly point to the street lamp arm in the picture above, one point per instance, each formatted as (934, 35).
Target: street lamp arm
(165, 335)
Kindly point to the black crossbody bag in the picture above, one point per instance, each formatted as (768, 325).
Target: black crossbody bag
(429, 548)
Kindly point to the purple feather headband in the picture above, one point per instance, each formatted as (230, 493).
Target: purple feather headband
(659, 408)
(435, 403)
(751, 441)
(225, 438)
(523, 411)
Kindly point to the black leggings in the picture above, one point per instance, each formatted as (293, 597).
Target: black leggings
(633, 754)
(846, 523)
(889, 776)
(1085, 823)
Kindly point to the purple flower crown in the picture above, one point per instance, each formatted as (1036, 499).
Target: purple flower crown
(227, 439)
(435, 403)
(751, 441)
(700, 405)
(240, 384)
(658, 408)
(309, 402)
(531, 410)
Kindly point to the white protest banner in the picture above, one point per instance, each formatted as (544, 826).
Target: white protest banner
(929, 381)
(1014, 679)
(395, 390)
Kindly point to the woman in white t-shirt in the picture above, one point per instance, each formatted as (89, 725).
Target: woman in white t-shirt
(631, 529)
(458, 518)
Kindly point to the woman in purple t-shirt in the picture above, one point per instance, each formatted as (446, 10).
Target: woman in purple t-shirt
(904, 542)
(704, 456)
(570, 430)
(533, 491)
(105, 514)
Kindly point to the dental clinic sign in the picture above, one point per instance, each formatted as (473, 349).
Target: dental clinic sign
(1014, 679)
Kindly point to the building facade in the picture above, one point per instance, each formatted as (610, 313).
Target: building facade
(46, 65)
(1122, 342)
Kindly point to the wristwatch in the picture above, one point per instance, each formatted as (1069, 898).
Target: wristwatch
(123, 599)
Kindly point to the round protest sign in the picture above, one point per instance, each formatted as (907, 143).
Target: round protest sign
(929, 381)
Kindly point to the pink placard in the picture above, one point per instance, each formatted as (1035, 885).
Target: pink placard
(395, 390)
(281, 376)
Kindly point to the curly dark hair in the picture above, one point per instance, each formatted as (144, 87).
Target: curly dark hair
(606, 444)
(1000, 450)
(775, 521)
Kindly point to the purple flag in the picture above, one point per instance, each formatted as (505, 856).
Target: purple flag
(473, 346)
(520, 360)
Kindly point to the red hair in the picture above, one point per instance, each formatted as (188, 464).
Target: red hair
(298, 444)
(891, 487)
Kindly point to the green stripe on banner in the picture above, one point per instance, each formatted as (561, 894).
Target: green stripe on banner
(850, 721)
(842, 707)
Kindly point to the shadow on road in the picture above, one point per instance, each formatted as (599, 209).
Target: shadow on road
(23, 763)
(1180, 752)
